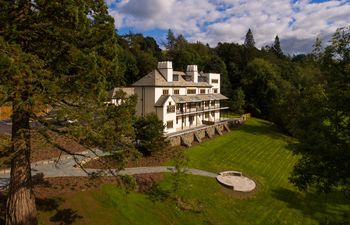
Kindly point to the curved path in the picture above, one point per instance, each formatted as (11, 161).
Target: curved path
(66, 167)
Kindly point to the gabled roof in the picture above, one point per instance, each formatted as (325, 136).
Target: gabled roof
(128, 90)
(161, 101)
(156, 79)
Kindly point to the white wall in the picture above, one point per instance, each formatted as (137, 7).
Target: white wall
(169, 116)
(212, 76)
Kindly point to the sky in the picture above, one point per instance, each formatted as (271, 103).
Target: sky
(296, 22)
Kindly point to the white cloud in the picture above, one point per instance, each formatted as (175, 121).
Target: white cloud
(212, 21)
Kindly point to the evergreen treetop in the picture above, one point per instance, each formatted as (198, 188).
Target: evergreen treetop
(249, 39)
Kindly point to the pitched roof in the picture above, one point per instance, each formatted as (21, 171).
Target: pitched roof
(197, 98)
(162, 99)
(156, 79)
(128, 90)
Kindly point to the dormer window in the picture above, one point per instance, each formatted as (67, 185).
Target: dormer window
(175, 77)
(165, 91)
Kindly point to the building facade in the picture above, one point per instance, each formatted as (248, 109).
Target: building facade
(182, 100)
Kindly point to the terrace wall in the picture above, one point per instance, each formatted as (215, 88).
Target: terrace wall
(187, 138)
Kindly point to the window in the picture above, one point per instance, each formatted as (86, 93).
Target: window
(176, 91)
(169, 124)
(215, 90)
(175, 77)
(165, 91)
(177, 119)
(212, 103)
(191, 91)
(191, 120)
(214, 81)
(170, 108)
(206, 115)
(202, 91)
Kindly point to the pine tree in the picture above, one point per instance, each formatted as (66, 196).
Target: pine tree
(171, 40)
(277, 47)
(249, 39)
(317, 49)
(58, 54)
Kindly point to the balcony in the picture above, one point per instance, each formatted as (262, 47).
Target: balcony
(181, 111)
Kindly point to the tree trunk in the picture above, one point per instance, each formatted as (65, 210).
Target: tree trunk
(20, 209)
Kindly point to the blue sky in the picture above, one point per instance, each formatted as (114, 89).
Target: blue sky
(296, 22)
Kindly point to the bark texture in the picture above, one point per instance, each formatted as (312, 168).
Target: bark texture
(20, 208)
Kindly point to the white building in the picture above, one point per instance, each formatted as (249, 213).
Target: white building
(182, 100)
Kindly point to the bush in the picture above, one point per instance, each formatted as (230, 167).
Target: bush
(149, 132)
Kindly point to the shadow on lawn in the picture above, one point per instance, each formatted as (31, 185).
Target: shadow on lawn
(317, 206)
(61, 216)
(262, 127)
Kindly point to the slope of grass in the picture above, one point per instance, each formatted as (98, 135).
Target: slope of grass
(256, 149)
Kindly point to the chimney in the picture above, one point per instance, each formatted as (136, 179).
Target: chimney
(192, 70)
(166, 69)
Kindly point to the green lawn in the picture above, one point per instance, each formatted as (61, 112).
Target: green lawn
(256, 149)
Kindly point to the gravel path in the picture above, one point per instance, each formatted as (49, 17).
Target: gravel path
(66, 167)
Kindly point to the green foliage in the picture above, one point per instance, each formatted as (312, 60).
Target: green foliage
(171, 40)
(238, 101)
(261, 85)
(249, 39)
(277, 47)
(149, 134)
(129, 183)
(179, 175)
(139, 56)
(322, 123)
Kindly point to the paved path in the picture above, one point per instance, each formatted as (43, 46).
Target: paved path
(66, 167)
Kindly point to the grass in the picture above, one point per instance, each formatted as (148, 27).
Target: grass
(257, 149)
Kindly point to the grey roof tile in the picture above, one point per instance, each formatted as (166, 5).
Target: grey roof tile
(156, 79)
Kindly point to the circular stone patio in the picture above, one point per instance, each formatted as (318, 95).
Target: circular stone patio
(236, 181)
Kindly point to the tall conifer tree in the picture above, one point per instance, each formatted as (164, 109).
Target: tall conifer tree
(249, 39)
(59, 54)
(277, 47)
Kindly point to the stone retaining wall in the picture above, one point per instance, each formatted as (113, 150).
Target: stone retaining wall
(197, 135)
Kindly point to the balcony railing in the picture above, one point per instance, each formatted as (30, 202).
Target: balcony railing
(198, 109)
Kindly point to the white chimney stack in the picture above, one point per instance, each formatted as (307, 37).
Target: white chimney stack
(166, 68)
(192, 70)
